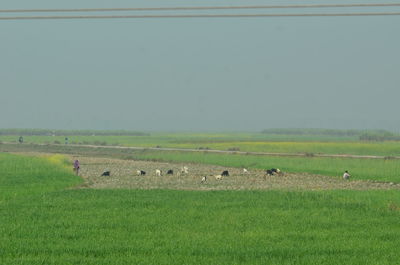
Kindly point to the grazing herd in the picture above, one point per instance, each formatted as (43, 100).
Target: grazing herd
(185, 170)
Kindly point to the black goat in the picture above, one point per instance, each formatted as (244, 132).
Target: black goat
(106, 173)
(269, 172)
(225, 173)
(272, 171)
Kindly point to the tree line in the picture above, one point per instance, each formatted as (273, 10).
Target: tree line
(49, 132)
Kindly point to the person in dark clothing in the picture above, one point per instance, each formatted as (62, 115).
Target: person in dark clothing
(77, 166)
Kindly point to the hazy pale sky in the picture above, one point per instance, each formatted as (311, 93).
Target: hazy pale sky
(199, 74)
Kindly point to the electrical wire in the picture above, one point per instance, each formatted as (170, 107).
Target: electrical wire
(198, 8)
(203, 16)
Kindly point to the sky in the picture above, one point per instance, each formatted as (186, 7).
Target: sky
(215, 74)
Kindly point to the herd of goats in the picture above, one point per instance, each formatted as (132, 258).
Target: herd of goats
(185, 170)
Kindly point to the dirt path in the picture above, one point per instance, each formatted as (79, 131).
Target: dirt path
(217, 151)
(124, 176)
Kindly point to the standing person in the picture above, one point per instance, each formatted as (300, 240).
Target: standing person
(346, 175)
(21, 139)
(76, 167)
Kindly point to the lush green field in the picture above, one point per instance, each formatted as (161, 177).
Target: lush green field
(27, 176)
(247, 142)
(43, 221)
(366, 169)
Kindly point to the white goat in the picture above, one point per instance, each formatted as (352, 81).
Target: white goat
(184, 170)
(158, 172)
(204, 179)
(218, 177)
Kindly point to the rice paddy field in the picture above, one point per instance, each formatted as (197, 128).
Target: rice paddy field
(48, 217)
(308, 215)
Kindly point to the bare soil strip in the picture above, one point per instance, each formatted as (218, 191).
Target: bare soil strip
(124, 176)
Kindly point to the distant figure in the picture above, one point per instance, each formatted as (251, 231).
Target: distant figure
(77, 167)
(66, 140)
(346, 175)
(21, 139)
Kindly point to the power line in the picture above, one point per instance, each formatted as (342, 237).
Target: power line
(197, 8)
(204, 16)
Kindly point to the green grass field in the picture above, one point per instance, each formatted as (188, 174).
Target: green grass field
(28, 176)
(44, 221)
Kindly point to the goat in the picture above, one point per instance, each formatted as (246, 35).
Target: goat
(269, 172)
(245, 171)
(218, 177)
(170, 172)
(141, 172)
(204, 179)
(272, 171)
(158, 172)
(276, 170)
(225, 173)
(184, 170)
(106, 173)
